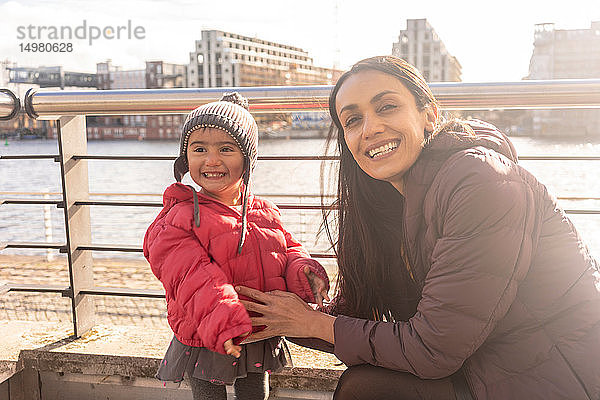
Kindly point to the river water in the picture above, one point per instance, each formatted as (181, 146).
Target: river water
(147, 179)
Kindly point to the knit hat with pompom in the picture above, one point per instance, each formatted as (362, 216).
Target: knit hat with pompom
(231, 115)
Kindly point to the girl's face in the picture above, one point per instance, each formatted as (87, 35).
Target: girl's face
(383, 127)
(216, 163)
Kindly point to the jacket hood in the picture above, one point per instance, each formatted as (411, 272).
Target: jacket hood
(176, 193)
(179, 192)
(484, 134)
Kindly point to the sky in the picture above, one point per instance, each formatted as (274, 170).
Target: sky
(493, 41)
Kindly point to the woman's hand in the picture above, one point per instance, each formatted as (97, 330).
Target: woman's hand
(317, 285)
(285, 314)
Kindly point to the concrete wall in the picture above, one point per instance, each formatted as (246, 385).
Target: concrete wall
(49, 375)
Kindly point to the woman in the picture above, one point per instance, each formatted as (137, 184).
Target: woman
(458, 272)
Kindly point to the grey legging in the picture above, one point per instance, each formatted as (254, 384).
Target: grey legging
(254, 387)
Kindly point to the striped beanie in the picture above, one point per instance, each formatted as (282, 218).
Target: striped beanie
(231, 115)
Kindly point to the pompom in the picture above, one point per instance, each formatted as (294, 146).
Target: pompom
(236, 98)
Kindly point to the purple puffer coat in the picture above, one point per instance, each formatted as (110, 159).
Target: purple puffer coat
(510, 291)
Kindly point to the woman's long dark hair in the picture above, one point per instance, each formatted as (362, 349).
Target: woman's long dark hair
(376, 279)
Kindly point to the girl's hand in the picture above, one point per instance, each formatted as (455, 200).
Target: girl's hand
(285, 314)
(231, 349)
(317, 285)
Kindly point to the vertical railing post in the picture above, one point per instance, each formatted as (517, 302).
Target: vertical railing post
(72, 140)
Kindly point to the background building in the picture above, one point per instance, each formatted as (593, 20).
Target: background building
(222, 59)
(162, 75)
(114, 77)
(565, 54)
(156, 75)
(420, 45)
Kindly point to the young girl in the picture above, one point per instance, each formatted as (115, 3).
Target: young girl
(204, 243)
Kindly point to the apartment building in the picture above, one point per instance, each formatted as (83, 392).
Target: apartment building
(222, 59)
(421, 46)
(156, 75)
(565, 54)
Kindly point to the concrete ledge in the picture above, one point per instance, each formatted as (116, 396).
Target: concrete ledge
(119, 362)
(129, 367)
(89, 364)
(7, 369)
(50, 375)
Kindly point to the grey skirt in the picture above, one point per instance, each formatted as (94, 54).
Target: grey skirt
(269, 355)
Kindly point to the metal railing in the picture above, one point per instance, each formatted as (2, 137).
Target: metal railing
(569, 93)
(69, 109)
(9, 105)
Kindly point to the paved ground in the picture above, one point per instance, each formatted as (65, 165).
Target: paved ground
(52, 307)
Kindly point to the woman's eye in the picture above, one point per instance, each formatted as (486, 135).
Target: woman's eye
(226, 149)
(199, 149)
(386, 107)
(350, 121)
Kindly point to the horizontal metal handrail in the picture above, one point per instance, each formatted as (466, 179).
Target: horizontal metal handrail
(94, 291)
(99, 247)
(172, 158)
(56, 157)
(282, 206)
(123, 157)
(9, 105)
(34, 245)
(286, 195)
(119, 203)
(559, 158)
(138, 249)
(568, 93)
(578, 198)
(57, 203)
(18, 287)
(126, 292)
(126, 203)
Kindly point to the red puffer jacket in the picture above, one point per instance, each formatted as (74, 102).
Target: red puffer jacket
(199, 266)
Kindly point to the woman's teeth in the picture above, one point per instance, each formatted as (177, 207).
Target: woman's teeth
(213, 174)
(379, 151)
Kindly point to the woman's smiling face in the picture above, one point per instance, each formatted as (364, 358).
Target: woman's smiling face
(383, 127)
